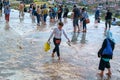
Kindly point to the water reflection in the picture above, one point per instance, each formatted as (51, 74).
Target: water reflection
(65, 20)
(83, 39)
(21, 19)
(7, 26)
(0, 16)
(96, 25)
(74, 37)
(33, 19)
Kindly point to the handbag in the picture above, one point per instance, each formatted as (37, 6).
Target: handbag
(47, 47)
(57, 41)
(108, 49)
(87, 21)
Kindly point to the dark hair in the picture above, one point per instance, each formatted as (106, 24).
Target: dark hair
(83, 9)
(114, 19)
(60, 23)
(38, 6)
(74, 6)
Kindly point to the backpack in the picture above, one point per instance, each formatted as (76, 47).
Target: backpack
(108, 49)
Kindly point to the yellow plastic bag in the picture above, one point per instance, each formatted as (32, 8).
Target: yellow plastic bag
(46, 47)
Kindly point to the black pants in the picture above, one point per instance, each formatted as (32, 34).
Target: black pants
(60, 17)
(84, 25)
(65, 15)
(56, 49)
(108, 22)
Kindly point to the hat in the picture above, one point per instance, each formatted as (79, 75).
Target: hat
(109, 34)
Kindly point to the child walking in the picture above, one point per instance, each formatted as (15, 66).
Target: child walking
(105, 58)
(7, 13)
(57, 32)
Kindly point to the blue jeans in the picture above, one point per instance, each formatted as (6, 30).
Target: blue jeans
(38, 18)
(60, 17)
(84, 25)
(45, 16)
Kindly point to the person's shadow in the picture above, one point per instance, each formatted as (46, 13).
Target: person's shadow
(74, 38)
(83, 39)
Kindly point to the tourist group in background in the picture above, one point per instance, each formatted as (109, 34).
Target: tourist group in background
(59, 12)
(40, 13)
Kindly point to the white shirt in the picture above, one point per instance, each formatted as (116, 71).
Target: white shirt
(58, 33)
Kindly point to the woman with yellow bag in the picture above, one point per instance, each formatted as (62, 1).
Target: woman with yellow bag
(57, 32)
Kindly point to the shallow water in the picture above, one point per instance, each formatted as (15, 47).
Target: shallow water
(22, 56)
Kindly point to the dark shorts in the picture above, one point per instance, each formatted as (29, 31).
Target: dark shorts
(75, 22)
(103, 64)
(96, 17)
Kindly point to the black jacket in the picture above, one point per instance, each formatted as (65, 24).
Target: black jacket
(103, 47)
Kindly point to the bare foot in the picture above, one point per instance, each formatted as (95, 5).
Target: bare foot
(52, 54)
(109, 74)
(78, 31)
(58, 58)
(101, 75)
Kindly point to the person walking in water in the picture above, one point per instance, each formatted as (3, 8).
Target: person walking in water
(38, 12)
(57, 32)
(84, 17)
(60, 11)
(7, 13)
(1, 5)
(45, 14)
(76, 15)
(97, 16)
(66, 10)
(21, 9)
(108, 19)
(106, 53)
